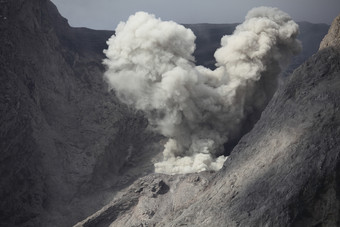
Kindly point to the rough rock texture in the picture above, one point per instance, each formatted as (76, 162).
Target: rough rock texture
(151, 199)
(285, 172)
(66, 144)
(332, 39)
(64, 139)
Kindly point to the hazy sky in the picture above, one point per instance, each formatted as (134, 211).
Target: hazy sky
(106, 14)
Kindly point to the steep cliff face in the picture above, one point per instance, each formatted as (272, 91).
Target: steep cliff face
(66, 144)
(64, 138)
(332, 39)
(285, 172)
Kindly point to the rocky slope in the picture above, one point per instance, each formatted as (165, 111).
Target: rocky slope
(65, 140)
(332, 40)
(67, 145)
(285, 172)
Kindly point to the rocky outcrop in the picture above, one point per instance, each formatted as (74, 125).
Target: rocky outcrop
(285, 172)
(65, 140)
(332, 39)
(66, 144)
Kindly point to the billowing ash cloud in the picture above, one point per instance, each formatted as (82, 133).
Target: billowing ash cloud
(150, 65)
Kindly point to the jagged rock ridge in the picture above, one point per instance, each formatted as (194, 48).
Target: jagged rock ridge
(332, 39)
(65, 140)
(285, 172)
(67, 144)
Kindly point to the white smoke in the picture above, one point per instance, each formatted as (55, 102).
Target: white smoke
(150, 65)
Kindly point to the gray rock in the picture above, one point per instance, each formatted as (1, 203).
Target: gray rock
(285, 172)
(332, 38)
(66, 142)
(68, 146)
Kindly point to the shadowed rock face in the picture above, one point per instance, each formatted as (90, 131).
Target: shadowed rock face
(285, 172)
(66, 144)
(65, 140)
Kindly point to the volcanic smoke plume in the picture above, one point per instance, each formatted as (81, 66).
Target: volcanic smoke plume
(150, 65)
